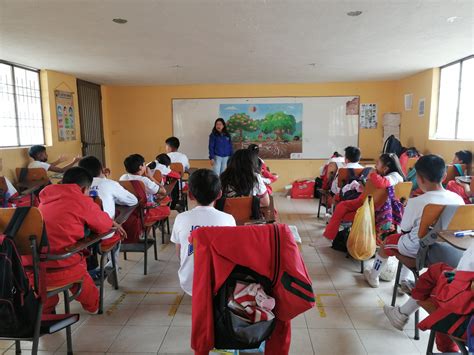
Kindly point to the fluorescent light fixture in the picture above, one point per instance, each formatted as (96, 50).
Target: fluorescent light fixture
(120, 21)
(354, 13)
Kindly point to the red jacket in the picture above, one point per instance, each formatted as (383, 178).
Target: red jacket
(66, 211)
(269, 250)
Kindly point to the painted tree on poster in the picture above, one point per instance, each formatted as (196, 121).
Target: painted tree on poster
(240, 122)
(278, 123)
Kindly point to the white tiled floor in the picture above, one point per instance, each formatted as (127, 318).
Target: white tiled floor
(149, 315)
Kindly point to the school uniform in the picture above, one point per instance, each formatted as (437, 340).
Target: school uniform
(184, 224)
(39, 164)
(67, 212)
(334, 188)
(178, 157)
(408, 244)
(220, 150)
(165, 171)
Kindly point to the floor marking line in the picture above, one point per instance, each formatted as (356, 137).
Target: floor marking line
(319, 303)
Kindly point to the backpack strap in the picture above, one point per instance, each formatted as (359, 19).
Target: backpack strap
(432, 235)
(16, 221)
(23, 174)
(458, 168)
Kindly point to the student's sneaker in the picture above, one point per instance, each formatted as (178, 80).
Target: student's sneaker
(396, 318)
(373, 281)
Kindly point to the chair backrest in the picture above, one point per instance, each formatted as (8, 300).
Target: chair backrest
(403, 191)
(32, 227)
(331, 173)
(128, 185)
(462, 219)
(178, 167)
(239, 207)
(3, 191)
(411, 163)
(343, 175)
(379, 195)
(34, 174)
(452, 172)
(157, 175)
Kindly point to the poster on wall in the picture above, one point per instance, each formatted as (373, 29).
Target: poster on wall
(421, 107)
(65, 116)
(275, 127)
(368, 116)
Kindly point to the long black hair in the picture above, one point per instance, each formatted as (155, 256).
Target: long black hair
(240, 175)
(224, 130)
(390, 160)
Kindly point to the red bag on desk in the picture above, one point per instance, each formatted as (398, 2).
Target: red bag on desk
(302, 189)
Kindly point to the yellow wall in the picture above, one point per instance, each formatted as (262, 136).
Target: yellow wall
(415, 131)
(139, 119)
(18, 157)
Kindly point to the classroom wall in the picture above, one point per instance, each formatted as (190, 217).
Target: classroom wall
(139, 118)
(416, 131)
(12, 158)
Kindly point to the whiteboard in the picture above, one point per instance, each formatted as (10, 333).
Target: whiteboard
(328, 123)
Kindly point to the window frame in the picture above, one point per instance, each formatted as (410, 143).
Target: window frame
(456, 122)
(38, 72)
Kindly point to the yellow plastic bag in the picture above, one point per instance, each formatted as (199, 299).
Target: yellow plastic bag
(361, 242)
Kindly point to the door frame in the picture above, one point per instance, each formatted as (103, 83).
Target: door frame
(84, 144)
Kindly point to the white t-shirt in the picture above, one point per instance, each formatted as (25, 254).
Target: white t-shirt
(409, 243)
(259, 189)
(394, 178)
(10, 188)
(338, 160)
(151, 188)
(39, 164)
(112, 193)
(467, 261)
(178, 157)
(184, 224)
(164, 170)
(334, 188)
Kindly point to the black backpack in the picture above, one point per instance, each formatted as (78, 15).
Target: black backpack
(19, 305)
(392, 145)
(340, 242)
(231, 331)
(353, 194)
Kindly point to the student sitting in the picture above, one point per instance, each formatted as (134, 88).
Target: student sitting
(242, 178)
(172, 146)
(162, 163)
(430, 171)
(387, 173)
(205, 188)
(268, 177)
(457, 186)
(351, 161)
(40, 158)
(137, 170)
(67, 210)
(408, 153)
(449, 290)
(335, 158)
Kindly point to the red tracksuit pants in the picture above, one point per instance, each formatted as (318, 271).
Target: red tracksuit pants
(342, 212)
(422, 291)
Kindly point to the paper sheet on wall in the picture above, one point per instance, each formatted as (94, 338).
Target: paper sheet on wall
(368, 116)
(65, 116)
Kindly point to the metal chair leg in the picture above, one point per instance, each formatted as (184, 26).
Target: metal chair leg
(362, 266)
(162, 232)
(114, 265)
(155, 250)
(431, 340)
(395, 286)
(68, 329)
(145, 259)
(417, 319)
(101, 283)
(17, 347)
(124, 255)
(168, 225)
(319, 205)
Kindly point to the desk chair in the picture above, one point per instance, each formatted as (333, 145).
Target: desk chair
(325, 191)
(411, 163)
(158, 176)
(403, 191)
(29, 241)
(182, 196)
(240, 208)
(452, 172)
(461, 220)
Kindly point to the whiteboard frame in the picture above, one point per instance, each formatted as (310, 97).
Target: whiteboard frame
(264, 97)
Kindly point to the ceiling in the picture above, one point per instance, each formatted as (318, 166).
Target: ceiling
(235, 41)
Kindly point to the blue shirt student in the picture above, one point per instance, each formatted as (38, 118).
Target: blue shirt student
(220, 147)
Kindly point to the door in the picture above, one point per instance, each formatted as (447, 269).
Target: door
(90, 111)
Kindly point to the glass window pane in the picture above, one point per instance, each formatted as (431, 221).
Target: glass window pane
(448, 102)
(466, 107)
(8, 129)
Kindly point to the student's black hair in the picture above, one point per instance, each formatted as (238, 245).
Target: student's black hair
(352, 154)
(35, 150)
(224, 130)
(133, 162)
(205, 186)
(78, 176)
(391, 161)
(465, 156)
(254, 148)
(240, 174)
(92, 165)
(173, 142)
(431, 167)
(336, 155)
(163, 159)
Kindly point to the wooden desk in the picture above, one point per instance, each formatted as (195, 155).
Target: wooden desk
(32, 185)
(123, 212)
(460, 243)
(80, 245)
(170, 186)
(268, 215)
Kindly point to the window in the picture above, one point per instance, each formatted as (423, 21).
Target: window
(455, 106)
(21, 117)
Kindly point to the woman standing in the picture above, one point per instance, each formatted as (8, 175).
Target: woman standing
(220, 146)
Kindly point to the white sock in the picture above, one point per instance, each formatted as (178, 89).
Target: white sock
(405, 274)
(409, 307)
(379, 263)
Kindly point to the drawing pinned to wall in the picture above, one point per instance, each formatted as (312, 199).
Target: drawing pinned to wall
(368, 116)
(408, 100)
(65, 116)
(352, 107)
(421, 107)
(276, 128)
